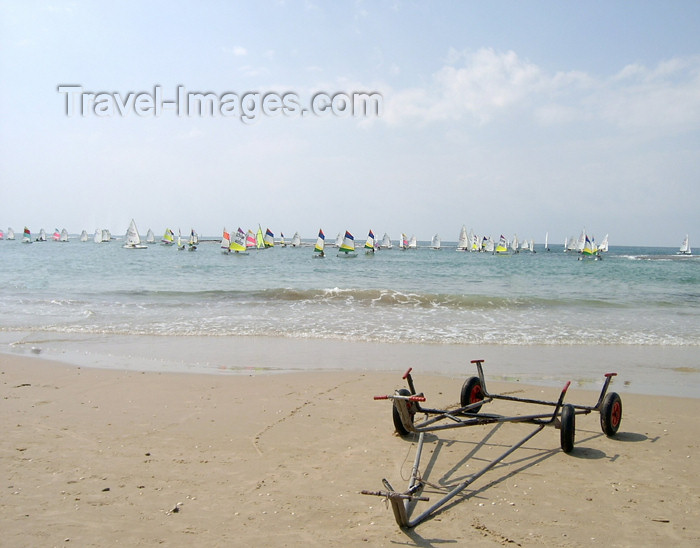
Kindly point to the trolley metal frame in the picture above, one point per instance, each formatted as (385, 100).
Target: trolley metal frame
(407, 404)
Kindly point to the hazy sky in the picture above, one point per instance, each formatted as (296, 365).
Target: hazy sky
(508, 117)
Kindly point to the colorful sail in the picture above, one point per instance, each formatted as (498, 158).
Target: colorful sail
(320, 242)
(259, 238)
(502, 246)
(238, 243)
(225, 239)
(250, 240)
(168, 237)
(369, 244)
(404, 241)
(348, 245)
(587, 250)
(56, 235)
(269, 239)
(27, 236)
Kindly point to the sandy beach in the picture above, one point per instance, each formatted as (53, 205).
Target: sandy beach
(97, 457)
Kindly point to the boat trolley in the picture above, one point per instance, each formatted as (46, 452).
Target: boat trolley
(474, 395)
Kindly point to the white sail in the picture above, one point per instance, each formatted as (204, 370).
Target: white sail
(386, 241)
(106, 235)
(296, 240)
(685, 247)
(64, 236)
(97, 238)
(546, 241)
(412, 243)
(603, 247)
(150, 237)
(436, 242)
(463, 242)
(339, 239)
(84, 236)
(133, 240)
(10, 234)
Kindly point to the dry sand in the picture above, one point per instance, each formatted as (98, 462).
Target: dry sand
(96, 457)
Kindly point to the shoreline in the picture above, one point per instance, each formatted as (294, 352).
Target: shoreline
(650, 370)
(107, 456)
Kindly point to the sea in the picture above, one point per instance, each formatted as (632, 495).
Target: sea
(634, 297)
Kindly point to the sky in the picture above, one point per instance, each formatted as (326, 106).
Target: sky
(508, 117)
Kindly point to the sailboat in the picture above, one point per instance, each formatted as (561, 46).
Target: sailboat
(685, 247)
(106, 235)
(412, 243)
(42, 236)
(56, 235)
(339, 239)
(27, 236)
(133, 240)
(97, 237)
(193, 241)
(589, 250)
(63, 237)
(84, 236)
(237, 245)
(403, 243)
(347, 248)
(150, 237)
(463, 241)
(10, 234)
(225, 241)
(369, 244)
(386, 241)
(546, 241)
(168, 237)
(180, 245)
(2, 236)
(502, 247)
(319, 253)
(436, 243)
(250, 240)
(475, 243)
(282, 242)
(603, 247)
(269, 239)
(259, 242)
(296, 240)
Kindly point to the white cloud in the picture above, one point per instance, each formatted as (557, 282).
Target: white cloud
(484, 85)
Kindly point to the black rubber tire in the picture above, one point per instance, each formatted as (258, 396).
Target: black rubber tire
(611, 414)
(471, 393)
(568, 428)
(396, 417)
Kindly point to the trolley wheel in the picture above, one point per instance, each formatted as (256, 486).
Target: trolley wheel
(398, 425)
(471, 393)
(568, 428)
(611, 414)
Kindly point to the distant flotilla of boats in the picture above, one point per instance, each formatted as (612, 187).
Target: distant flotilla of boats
(243, 241)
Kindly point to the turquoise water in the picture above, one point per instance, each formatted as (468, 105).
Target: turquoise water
(634, 296)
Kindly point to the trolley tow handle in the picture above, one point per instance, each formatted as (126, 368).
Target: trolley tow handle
(409, 380)
(604, 390)
(393, 495)
(559, 403)
(480, 373)
(413, 397)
